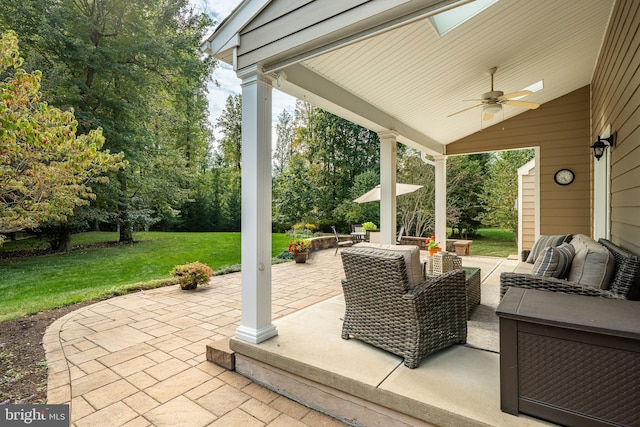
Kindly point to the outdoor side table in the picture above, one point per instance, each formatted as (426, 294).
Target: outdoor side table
(472, 281)
(570, 359)
(472, 277)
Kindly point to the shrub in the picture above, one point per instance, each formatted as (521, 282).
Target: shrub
(191, 275)
(369, 226)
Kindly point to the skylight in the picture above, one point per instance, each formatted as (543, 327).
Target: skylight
(533, 88)
(447, 21)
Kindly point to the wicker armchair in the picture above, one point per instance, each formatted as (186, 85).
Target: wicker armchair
(623, 286)
(384, 311)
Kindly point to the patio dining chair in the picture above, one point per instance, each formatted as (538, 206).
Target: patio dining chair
(340, 243)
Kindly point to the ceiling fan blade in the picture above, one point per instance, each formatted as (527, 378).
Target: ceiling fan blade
(462, 111)
(487, 116)
(478, 99)
(516, 94)
(523, 104)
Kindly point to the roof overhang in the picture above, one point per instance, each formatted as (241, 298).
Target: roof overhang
(382, 65)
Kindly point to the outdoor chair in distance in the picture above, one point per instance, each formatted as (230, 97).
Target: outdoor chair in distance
(399, 236)
(339, 243)
(384, 310)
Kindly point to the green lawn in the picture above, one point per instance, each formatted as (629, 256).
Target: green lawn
(494, 242)
(37, 283)
(32, 284)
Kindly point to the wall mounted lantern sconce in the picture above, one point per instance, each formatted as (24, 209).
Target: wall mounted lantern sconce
(601, 144)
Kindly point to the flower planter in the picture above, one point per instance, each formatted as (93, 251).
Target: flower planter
(432, 252)
(301, 257)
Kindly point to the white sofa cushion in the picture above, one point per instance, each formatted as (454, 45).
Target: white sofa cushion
(415, 271)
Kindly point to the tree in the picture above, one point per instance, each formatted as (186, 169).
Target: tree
(134, 69)
(284, 145)
(416, 211)
(501, 189)
(357, 213)
(336, 151)
(230, 124)
(465, 181)
(45, 167)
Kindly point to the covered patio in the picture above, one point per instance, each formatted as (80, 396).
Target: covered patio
(386, 66)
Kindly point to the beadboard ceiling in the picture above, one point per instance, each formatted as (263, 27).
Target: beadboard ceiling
(409, 79)
(419, 77)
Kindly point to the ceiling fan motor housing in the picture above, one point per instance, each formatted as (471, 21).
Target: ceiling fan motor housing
(492, 95)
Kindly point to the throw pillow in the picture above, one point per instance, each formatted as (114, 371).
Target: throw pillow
(593, 266)
(546, 242)
(554, 262)
(567, 251)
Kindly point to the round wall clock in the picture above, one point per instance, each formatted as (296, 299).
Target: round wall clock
(564, 177)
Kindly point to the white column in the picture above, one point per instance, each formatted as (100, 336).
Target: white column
(441, 200)
(256, 325)
(388, 154)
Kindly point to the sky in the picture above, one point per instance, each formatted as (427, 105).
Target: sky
(228, 83)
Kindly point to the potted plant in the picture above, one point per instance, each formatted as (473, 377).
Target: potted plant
(300, 249)
(432, 246)
(369, 226)
(191, 275)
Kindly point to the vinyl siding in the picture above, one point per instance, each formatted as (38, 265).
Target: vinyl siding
(561, 129)
(615, 100)
(528, 223)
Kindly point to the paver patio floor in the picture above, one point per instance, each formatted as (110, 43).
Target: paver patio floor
(139, 359)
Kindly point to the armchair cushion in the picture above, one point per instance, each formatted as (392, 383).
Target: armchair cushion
(415, 271)
(545, 242)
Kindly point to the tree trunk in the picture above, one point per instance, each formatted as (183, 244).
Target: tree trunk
(61, 240)
(126, 228)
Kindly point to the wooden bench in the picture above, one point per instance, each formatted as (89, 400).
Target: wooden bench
(463, 247)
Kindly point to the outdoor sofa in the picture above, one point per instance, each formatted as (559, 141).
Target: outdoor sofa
(391, 305)
(593, 268)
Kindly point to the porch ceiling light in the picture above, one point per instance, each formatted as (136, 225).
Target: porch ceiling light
(601, 144)
(492, 108)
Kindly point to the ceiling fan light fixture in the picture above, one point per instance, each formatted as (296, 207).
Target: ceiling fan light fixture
(492, 109)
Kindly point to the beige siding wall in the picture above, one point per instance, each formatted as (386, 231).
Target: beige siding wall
(528, 196)
(616, 101)
(561, 128)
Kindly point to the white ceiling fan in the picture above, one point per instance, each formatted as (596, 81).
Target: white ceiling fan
(492, 101)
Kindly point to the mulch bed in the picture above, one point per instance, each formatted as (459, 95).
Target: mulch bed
(23, 371)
